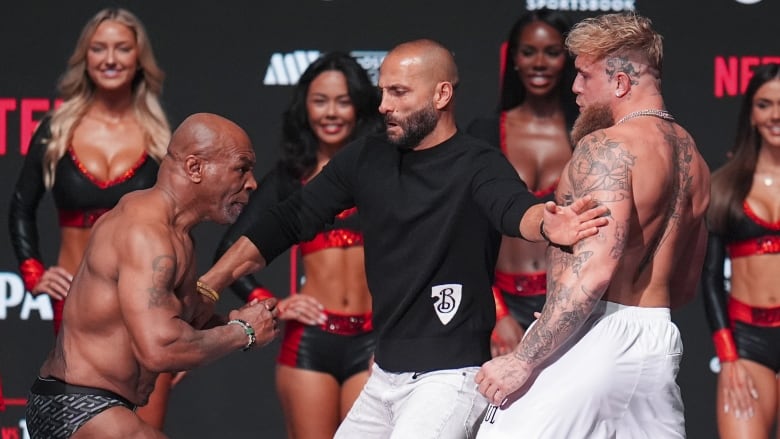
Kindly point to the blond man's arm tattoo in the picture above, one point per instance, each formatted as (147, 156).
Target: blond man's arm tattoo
(600, 167)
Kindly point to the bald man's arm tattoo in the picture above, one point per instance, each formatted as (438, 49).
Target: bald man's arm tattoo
(163, 271)
(600, 167)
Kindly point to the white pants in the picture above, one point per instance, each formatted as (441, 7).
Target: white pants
(439, 404)
(615, 380)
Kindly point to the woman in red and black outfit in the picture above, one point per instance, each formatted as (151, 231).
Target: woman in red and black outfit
(744, 222)
(532, 129)
(104, 141)
(328, 338)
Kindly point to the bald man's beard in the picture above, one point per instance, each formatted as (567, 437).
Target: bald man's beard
(414, 127)
(593, 117)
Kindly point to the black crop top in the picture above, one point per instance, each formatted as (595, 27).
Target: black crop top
(748, 235)
(74, 191)
(752, 235)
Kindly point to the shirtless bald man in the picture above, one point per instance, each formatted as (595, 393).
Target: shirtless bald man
(602, 358)
(433, 203)
(133, 300)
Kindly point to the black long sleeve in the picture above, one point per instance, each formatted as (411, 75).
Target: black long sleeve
(713, 284)
(27, 194)
(486, 128)
(274, 187)
(432, 221)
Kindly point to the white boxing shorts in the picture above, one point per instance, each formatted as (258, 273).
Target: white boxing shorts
(616, 379)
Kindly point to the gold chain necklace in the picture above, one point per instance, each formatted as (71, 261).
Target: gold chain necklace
(663, 114)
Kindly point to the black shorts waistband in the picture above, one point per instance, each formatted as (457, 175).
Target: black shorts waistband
(51, 386)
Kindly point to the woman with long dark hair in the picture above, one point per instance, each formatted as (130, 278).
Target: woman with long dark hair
(328, 339)
(744, 223)
(531, 127)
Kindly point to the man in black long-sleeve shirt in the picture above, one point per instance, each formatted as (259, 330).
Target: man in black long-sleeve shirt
(433, 204)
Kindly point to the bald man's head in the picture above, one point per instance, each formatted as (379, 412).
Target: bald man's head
(210, 161)
(207, 135)
(418, 82)
(433, 59)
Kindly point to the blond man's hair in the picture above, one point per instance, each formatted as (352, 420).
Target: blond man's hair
(626, 35)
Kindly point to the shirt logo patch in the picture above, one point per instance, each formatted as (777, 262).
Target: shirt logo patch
(447, 301)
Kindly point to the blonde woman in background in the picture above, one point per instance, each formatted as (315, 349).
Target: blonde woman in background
(104, 141)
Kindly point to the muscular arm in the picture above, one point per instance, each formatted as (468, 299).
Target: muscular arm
(273, 188)
(242, 258)
(243, 286)
(298, 218)
(516, 212)
(162, 340)
(599, 168)
(563, 226)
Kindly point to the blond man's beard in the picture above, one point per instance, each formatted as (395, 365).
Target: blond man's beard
(592, 118)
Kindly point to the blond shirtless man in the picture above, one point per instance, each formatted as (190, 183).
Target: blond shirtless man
(133, 302)
(602, 358)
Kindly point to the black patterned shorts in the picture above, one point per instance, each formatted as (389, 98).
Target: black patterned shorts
(56, 409)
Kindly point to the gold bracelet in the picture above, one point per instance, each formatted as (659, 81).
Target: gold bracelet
(207, 291)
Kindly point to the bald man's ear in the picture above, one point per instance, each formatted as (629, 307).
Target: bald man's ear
(193, 166)
(443, 95)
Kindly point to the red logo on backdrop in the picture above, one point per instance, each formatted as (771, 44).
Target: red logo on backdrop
(732, 73)
(10, 433)
(29, 110)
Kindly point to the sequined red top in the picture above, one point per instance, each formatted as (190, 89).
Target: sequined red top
(335, 238)
(754, 236)
(75, 209)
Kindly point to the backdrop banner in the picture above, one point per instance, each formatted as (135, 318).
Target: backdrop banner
(240, 59)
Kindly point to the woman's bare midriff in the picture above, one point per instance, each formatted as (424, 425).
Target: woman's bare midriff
(73, 243)
(336, 277)
(754, 280)
(518, 256)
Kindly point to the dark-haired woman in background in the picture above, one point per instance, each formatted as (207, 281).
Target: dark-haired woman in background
(531, 127)
(744, 223)
(328, 339)
(104, 141)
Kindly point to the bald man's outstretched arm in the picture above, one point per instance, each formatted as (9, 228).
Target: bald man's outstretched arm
(242, 258)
